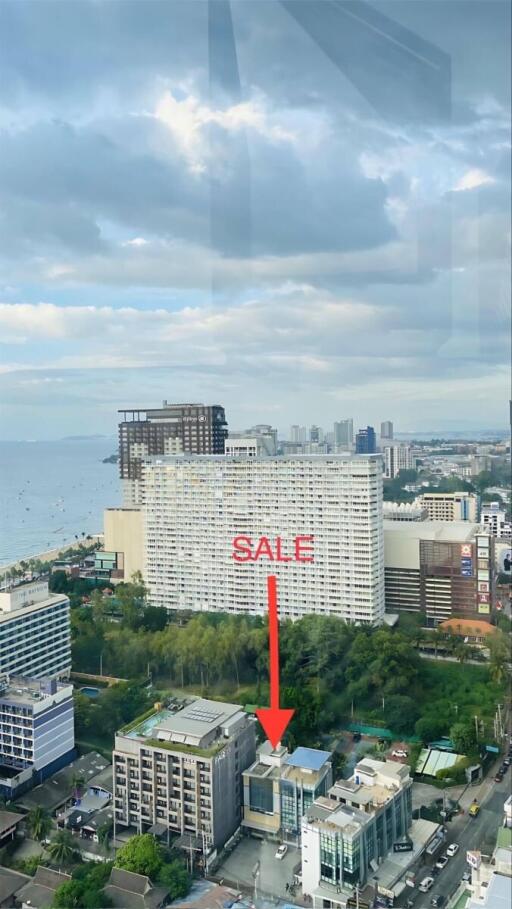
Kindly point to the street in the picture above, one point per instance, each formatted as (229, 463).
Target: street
(470, 833)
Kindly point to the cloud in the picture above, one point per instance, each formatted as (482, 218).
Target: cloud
(472, 179)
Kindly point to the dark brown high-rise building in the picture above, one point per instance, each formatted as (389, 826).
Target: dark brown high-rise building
(169, 429)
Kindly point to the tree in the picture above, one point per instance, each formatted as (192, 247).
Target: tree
(499, 649)
(463, 736)
(430, 728)
(62, 847)
(59, 582)
(142, 854)
(39, 823)
(175, 878)
(68, 895)
(400, 712)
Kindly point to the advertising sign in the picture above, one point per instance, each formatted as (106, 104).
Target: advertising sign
(484, 608)
(483, 586)
(474, 859)
(466, 572)
(505, 560)
(483, 597)
(466, 550)
(402, 847)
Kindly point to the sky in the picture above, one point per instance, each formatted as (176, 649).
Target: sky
(299, 209)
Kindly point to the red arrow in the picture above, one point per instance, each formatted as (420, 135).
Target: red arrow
(273, 719)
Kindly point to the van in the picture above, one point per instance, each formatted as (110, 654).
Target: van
(426, 884)
(474, 809)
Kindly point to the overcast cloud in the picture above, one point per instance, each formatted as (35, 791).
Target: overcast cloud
(300, 210)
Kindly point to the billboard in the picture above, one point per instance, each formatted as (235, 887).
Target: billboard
(466, 550)
(504, 559)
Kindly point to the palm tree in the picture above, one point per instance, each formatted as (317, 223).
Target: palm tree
(39, 823)
(62, 847)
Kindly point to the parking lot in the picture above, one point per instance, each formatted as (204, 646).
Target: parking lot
(273, 874)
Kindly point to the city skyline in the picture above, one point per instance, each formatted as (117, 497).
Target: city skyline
(226, 202)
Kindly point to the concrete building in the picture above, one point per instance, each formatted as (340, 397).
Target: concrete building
(493, 517)
(35, 637)
(182, 771)
(280, 787)
(123, 530)
(450, 506)
(204, 517)
(365, 441)
(445, 570)
(397, 457)
(386, 430)
(36, 731)
(298, 435)
(169, 429)
(403, 511)
(344, 435)
(346, 835)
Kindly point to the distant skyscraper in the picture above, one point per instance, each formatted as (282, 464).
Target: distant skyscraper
(344, 433)
(386, 430)
(298, 435)
(365, 441)
(316, 434)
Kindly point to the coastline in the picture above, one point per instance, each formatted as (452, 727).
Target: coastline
(52, 554)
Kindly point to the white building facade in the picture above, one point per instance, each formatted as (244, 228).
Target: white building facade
(195, 507)
(397, 457)
(35, 636)
(493, 516)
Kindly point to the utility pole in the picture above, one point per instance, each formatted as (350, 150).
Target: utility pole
(476, 727)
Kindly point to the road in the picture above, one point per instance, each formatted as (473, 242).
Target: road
(470, 833)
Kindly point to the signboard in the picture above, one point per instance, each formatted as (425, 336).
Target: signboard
(484, 608)
(466, 572)
(493, 748)
(466, 550)
(483, 575)
(483, 586)
(483, 597)
(385, 892)
(403, 847)
(474, 859)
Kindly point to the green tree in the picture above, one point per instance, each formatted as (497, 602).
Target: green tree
(141, 854)
(463, 736)
(499, 649)
(39, 823)
(62, 847)
(69, 895)
(430, 728)
(400, 712)
(175, 878)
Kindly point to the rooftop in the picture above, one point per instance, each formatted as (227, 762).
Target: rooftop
(203, 725)
(308, 758)
(442, 531)
(468, 626)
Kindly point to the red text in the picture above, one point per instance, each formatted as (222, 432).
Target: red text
(299, 549)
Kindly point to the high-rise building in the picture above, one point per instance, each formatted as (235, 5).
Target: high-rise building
(259, 440)
(397, 457)
(35, 636)
(386, 430)
(493, 516)
(196, 507)
(298, 435)
(194, 428)
(316, 434)
(183, 771)
(347, 835)
(449, 506)
(280, 787)
(344, 434)
(37, 734)
(365, 441)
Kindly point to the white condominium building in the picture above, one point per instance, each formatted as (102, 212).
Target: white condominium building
(35, 636)
(397, 457)
(449, 506)
(195, 507)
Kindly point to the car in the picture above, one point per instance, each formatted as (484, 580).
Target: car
(437, 900)
(452, 849)
(281, 852)
(498, 778)
(506, 762)
(442, 862)
(356, 736)
(467, 875)
(426, 884)
(399, 752)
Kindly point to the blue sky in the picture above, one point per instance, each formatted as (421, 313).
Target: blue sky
(297, 209)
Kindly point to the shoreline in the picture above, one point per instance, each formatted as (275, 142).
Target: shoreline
(52, 554)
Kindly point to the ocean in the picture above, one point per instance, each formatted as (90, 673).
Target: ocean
(52, 491)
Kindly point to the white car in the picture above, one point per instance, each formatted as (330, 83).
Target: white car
(426, 884)
(442, 862)
(399, 753)
(452, 849)
(281, 852)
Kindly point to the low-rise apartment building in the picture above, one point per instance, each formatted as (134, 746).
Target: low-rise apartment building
(279, 787)
(182, 771)
(35, 636)
(450, 506)
(346, 835)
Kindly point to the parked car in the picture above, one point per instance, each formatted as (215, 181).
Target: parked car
(437, 900)
(356, 736)
(426, 884)
(442, 862)
(452, 849)
(506, 762)
(399, 752)
(498, 778)
(467, 875)
(282, 850)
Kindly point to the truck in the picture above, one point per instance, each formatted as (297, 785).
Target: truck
(474, 808)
